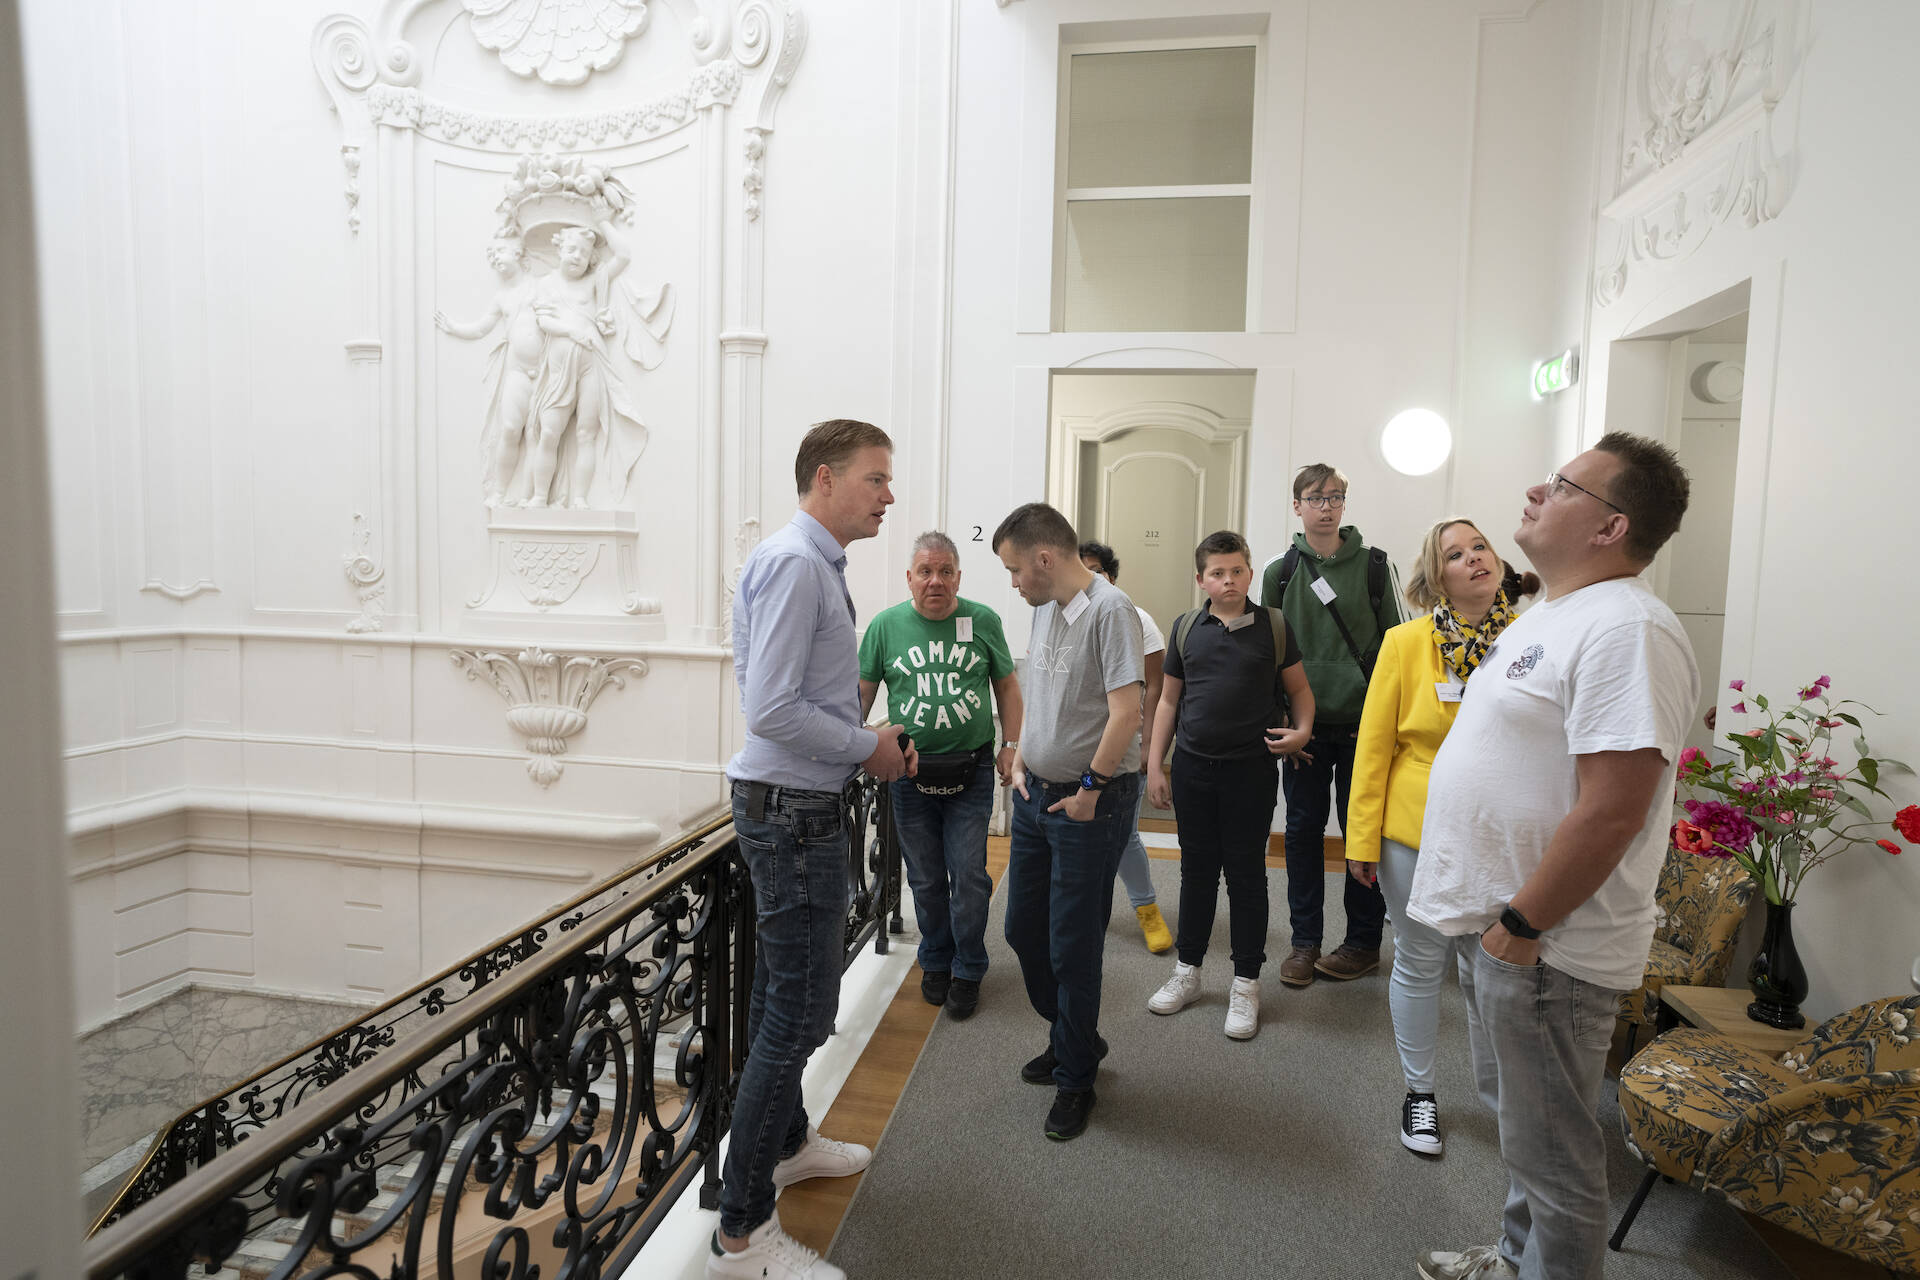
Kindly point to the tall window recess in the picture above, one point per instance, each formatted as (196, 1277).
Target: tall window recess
(1155, 185)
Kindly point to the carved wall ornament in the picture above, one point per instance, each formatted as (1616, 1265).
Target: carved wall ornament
(350, 157)
(550, 572)
(368, 577)
(745, 539)
(754, 176)
(560, 41)
(547, 695)
(405, 108)
(560, 428)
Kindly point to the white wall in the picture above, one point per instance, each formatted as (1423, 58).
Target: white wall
(1822, 527)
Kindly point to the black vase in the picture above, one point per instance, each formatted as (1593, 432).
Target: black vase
(1777, 978)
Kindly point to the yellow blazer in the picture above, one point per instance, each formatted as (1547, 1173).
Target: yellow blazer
(1400, 732)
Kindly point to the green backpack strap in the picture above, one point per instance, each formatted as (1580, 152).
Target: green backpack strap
(1278, 622)
(1182, 628)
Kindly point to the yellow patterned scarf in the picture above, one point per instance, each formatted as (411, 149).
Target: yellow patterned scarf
(1463, 645)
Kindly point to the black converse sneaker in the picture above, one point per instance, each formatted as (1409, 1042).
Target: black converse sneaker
(1420, 1124)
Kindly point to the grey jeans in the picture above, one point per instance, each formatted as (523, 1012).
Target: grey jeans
(1540, 1041)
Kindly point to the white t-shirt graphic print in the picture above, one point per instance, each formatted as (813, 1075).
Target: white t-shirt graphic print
(1605, 668)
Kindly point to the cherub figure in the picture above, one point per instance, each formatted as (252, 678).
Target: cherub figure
(581, 410)
(514, 365)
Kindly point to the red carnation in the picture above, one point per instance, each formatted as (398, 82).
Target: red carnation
(1907, 822)
(1888, 845)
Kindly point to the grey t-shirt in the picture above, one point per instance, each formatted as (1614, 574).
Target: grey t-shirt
(1077, 655)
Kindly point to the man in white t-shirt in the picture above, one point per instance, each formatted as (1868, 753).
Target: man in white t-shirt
(1546, 827)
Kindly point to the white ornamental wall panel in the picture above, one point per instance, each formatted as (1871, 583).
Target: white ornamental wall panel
(1699, 149)
(550, 265)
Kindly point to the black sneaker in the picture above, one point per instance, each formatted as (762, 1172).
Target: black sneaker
(933, 986)
(1420, 1124)
(1040, 1070)
(1068, 1116)
(962, 999)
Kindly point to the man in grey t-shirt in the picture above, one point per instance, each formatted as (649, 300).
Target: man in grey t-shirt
(1075, 776)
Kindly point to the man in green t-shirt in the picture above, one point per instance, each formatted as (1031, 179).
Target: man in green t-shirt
(942, 659)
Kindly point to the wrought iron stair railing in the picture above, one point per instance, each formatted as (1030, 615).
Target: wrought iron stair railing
(572, 1063)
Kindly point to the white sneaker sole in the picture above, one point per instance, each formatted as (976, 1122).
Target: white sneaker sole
(1421, 1146)
(1248, 1034)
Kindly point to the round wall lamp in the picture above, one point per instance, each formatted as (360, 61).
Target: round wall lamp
(1415, 442)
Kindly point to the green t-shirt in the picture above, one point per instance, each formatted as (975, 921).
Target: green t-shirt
(937, 673)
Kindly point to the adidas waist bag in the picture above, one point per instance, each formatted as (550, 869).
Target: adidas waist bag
(950, 772)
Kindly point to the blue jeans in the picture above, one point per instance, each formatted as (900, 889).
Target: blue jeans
(944, 842)
(1059, 895)
(1308, 789)
(1539, 1040)
(797, 855)
(1134, 872)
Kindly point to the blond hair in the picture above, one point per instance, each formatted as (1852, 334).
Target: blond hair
(1423, 584)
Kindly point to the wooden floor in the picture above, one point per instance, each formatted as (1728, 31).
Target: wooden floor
(811, 1211)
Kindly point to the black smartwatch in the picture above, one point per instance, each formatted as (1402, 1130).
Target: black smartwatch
(1516, 924)
(1091, 781)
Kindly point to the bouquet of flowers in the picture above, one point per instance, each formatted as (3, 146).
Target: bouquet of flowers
(1787, 805)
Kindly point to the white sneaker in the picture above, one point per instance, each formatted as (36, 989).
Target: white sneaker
(1243, 1008)
(771, 1254)
(821, 1158)
(1182, 989)
(1481, 1262)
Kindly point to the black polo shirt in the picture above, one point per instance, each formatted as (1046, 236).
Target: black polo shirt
(1230, 692)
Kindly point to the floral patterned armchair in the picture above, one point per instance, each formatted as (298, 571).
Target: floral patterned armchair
(1823, 1140)
(1701, 903)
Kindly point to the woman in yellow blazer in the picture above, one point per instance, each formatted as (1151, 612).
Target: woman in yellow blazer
(1418, 680)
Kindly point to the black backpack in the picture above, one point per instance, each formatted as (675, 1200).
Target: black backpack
(1376, 592)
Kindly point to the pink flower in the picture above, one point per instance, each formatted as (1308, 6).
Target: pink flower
(1739, 708)
(1795, 778)
(1728, 825)
(1738, 686)
(1822, 683)
(1688, 838)
(1821, 793)
(1756, 733)
(1691, 758)
(1829, 723)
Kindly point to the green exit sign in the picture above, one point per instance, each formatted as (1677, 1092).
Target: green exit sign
(1556, 375)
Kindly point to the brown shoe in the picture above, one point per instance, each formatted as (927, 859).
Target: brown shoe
(1348, 961)
(1297, 969)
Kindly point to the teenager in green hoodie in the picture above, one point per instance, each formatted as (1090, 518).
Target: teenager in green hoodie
(1330, 573)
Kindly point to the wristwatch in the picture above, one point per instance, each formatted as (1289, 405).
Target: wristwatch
(1009, 742)
(1091, 781)
(1516, 924)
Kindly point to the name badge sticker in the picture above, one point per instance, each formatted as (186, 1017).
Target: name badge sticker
(1448, 690)
(1323, 589)
(963, 629)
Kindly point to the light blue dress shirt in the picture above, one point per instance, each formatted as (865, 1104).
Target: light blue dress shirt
(796, 657)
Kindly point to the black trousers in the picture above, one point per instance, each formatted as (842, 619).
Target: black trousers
(1225, 810)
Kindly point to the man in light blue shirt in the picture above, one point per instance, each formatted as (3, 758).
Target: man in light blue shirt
(796, 658)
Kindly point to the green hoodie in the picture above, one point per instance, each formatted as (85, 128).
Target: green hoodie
(1339, 687)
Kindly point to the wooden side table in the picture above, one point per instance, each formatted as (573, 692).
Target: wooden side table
(1723, 1010)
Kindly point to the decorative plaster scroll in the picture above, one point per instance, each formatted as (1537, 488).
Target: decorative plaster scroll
(745, 538)
(716, 84)
(560, 41)
(1667, 218)
(548, 696)
(1699, 59)
(368, 577)
(350, 157)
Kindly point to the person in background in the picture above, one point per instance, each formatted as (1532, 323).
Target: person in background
(1233, 675)
(1546, 828)
(1337, 596)
(1134, 873)
(945, 662)
(1418, 681)
(1074, 776)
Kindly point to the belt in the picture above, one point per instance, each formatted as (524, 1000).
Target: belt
(1044, 785)
(764, 796)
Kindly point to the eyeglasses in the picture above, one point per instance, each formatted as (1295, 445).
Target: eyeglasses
(1556, 480)
(1322, 501)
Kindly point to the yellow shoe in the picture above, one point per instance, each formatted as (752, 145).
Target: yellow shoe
(1154, 926)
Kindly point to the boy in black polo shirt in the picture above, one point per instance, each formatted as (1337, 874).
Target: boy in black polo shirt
(1232, 672)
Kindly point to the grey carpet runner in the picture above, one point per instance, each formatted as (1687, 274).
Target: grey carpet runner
(1207, 1157)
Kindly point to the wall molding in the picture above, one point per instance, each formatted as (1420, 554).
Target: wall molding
(191, 804)
(411, 640)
